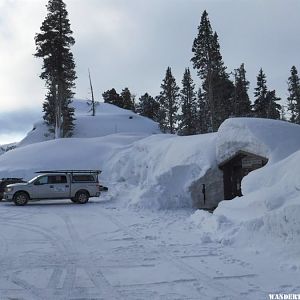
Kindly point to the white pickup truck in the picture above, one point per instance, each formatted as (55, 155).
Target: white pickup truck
(77, 185)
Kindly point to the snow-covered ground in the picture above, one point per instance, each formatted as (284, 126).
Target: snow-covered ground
(143, 240)
(60, 250)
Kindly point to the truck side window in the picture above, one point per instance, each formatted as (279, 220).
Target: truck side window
(83, 178)
(41, 180)
(57, 179)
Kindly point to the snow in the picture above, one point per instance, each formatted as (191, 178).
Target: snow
(7, 147)
(268, 138)
(142, 239)
(109, 119)
(160, 169)
(268, 213)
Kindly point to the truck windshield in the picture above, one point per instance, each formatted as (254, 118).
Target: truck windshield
(33, 179)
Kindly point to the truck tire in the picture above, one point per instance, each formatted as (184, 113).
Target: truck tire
(81, 197)
(74, 200)
(20, 198)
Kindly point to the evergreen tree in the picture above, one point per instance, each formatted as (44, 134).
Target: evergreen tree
(188, 117)
(127, 99)
(293, 99)
(168, 100)
(203, 114)
(53, 44)
(148, 107)
(265, 105)
(223, 94)
(112, 97)
(242, 103)
(207, 60)
(260, 106)
(274, 109)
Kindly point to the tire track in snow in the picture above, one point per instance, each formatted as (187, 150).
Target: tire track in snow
(104, 288)
(49, 236)
(202, 278)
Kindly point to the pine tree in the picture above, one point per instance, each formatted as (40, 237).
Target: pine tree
(260, 106)
(265, 105)
(203, 114)
(274, 109)
(148, 107)
(127, 99)
(293, 99)
(242, 103)
(188, 117)
(53, 45)
(207, 60)
(112, 97)
(224, 99)
(168, 100)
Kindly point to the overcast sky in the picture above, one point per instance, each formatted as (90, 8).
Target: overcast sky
(130, 43)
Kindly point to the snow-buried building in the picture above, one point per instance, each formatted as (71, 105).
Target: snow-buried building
(242, 146)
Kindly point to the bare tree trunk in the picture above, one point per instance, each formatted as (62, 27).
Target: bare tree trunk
(211, 100)
(58, 119)
(93, 99)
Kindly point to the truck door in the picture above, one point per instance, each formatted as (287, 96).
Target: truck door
(53, 187)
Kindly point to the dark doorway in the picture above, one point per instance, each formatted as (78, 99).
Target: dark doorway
(236, 168)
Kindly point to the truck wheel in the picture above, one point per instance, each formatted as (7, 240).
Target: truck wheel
(73, 200)
(81, 197)
(20, 199)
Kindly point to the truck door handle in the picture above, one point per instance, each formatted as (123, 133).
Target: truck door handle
(67, 185)
(51, 186)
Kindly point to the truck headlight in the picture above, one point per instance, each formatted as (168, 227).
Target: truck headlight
(9, 189)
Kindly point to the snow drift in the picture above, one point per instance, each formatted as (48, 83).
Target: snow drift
(109, 119)
(269, 210)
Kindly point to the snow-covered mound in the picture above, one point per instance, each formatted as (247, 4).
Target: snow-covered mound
(270, 207)
(70, 153)
(109, 119)
(272, 139)
(159, 170)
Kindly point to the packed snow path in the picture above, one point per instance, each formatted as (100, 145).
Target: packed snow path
(60, 250)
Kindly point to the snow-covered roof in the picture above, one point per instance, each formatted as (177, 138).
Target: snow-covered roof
(272, 139)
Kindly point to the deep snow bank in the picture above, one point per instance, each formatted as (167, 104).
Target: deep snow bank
(159, 170)
(70, 153)
(109, 119)
(272, 139)
(266, 220)
(270, 207)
